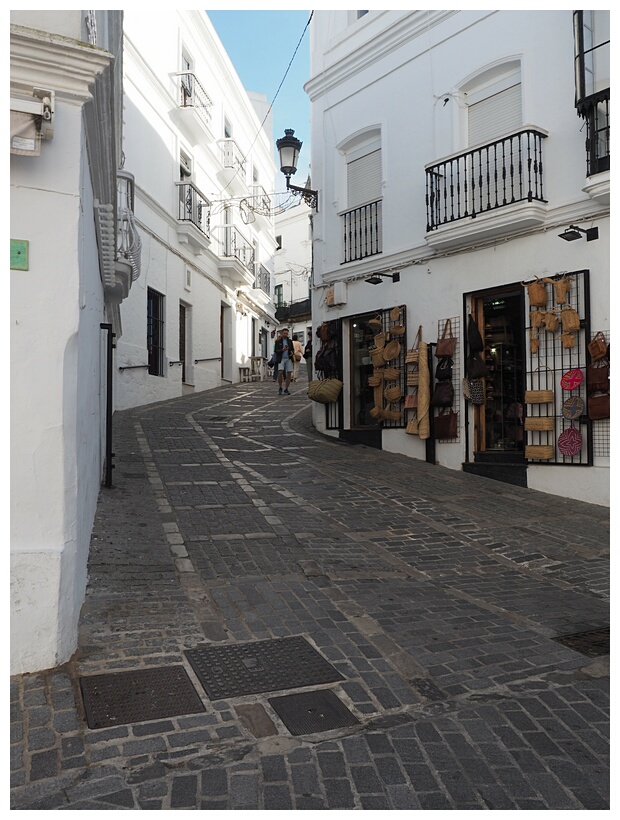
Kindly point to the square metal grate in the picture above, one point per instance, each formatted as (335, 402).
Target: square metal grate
(593, 643)
(138, 695)
(231, 670)
(308, 712)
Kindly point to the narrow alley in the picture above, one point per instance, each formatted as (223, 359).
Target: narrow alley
(324, 626)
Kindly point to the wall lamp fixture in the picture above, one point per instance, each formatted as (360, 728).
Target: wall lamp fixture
(288, 148)
(377, 278)
(574, 232)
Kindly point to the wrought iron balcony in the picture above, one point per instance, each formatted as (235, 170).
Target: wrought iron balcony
(262, 279)
(234, 245)
(260, 200)
(129, 244)
(362, 231)
(297, 310)
(485, 178)
(232, 157)
(194, 207)
(193, 95)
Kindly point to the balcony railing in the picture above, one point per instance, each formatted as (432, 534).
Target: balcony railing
(232, 157)
(362, 230)
(194, 207)
(263, 278)
(299, 309)
(485, 178)
(194, 96)
(260, 200)
(595, 111)
(129, 244)
(234, 244)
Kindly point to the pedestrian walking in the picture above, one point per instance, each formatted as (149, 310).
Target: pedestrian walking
(308, 358)
(273, 363)
(298, 353)
(284, 361)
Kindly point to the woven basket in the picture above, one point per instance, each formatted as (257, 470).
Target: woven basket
(376, 323)
(393, 393)
(412, 357)
(539, 423)
(538, 396)
(376, 357)
(570, 320)
(412, 427)
(327, 391)
(375, 381)
(413, 379)
(397, 330)
(391, 373)
(395, 314)
(377, 412)
(392, 415)
(380, 339)
(543, 452)
(391, 350)
(537, 293)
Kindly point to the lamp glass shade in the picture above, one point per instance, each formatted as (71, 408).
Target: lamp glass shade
(288, 147)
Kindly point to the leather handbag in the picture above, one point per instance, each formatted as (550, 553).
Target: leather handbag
(443, 370)
(598, 378)
(597, 348)
(411, 401)
(598, 407)
(446, 425)
(474, 338)
(443, 394)
(476, 368)
(446, 343)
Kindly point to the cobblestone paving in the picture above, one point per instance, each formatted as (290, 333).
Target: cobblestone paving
(437, 596)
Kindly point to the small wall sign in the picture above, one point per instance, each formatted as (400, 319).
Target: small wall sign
(19, 254)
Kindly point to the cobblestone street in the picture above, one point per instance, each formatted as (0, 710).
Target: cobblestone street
(435, 595)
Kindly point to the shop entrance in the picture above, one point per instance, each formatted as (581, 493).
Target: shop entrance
(498, 423)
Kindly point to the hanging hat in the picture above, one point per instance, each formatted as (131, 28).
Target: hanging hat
(571, 379)
(573, 407)
(569, 442)
(391, 350)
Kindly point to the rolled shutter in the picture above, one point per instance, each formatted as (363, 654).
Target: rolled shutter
(495, 115)
(364, 179)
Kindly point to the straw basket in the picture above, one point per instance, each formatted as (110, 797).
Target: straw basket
(376, 323)
(412, 357)
(376, 357)
(538, 396)
(539, 423)
(327, 391)
(391, 373)
(397, 330)
(380, 339)
(377, 413)
(395, 314)
(392, 393)
(392, 415)
(375, 381)
(570, 320)
(391, 350)
(543, 452)
(537, 293)
(413, 379)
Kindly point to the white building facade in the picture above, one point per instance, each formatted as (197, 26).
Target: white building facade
(203, 167)
(293, 270)
(69, 273)
(450, 150)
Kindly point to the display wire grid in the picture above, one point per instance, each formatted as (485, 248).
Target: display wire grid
(455, 321)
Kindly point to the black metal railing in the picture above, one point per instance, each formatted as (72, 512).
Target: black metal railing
(485, 178)
(194, 207)
(194, 96)
(362, 230)
(263, 278)
(295, 310)
(234, 244)
(595, 111)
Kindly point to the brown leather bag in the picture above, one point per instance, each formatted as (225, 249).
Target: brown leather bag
(446, 425)
(598, 407)
(598, 378)
(446, 343)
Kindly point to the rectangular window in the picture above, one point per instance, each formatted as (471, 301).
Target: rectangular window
(155, 331)
(278, 295)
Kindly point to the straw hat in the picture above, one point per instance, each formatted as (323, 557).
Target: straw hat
(391, 350)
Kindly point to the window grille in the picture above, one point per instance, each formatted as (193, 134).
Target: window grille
(155, 332)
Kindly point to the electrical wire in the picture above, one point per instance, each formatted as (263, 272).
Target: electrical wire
(274, 98)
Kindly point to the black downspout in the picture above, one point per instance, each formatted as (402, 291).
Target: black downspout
(109, 455)
(430, 441)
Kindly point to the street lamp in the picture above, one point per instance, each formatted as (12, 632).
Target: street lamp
(289, 147)
(574, 232)
(377, 278)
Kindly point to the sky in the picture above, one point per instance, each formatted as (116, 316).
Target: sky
(260, 45)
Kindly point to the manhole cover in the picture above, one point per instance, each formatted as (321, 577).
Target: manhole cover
(593, 643)
(230, 670)
(138, 695)
(308, 712)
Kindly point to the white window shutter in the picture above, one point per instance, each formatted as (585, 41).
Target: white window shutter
(364, 179)
(494, 116)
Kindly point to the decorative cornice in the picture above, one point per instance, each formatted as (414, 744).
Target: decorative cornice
(42, 59)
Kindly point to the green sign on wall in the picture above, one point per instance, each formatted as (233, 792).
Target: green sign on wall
(19, 254)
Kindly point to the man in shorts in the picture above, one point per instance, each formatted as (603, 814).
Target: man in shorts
(284, 361)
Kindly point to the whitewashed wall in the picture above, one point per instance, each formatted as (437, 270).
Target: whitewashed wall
(401, 73)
